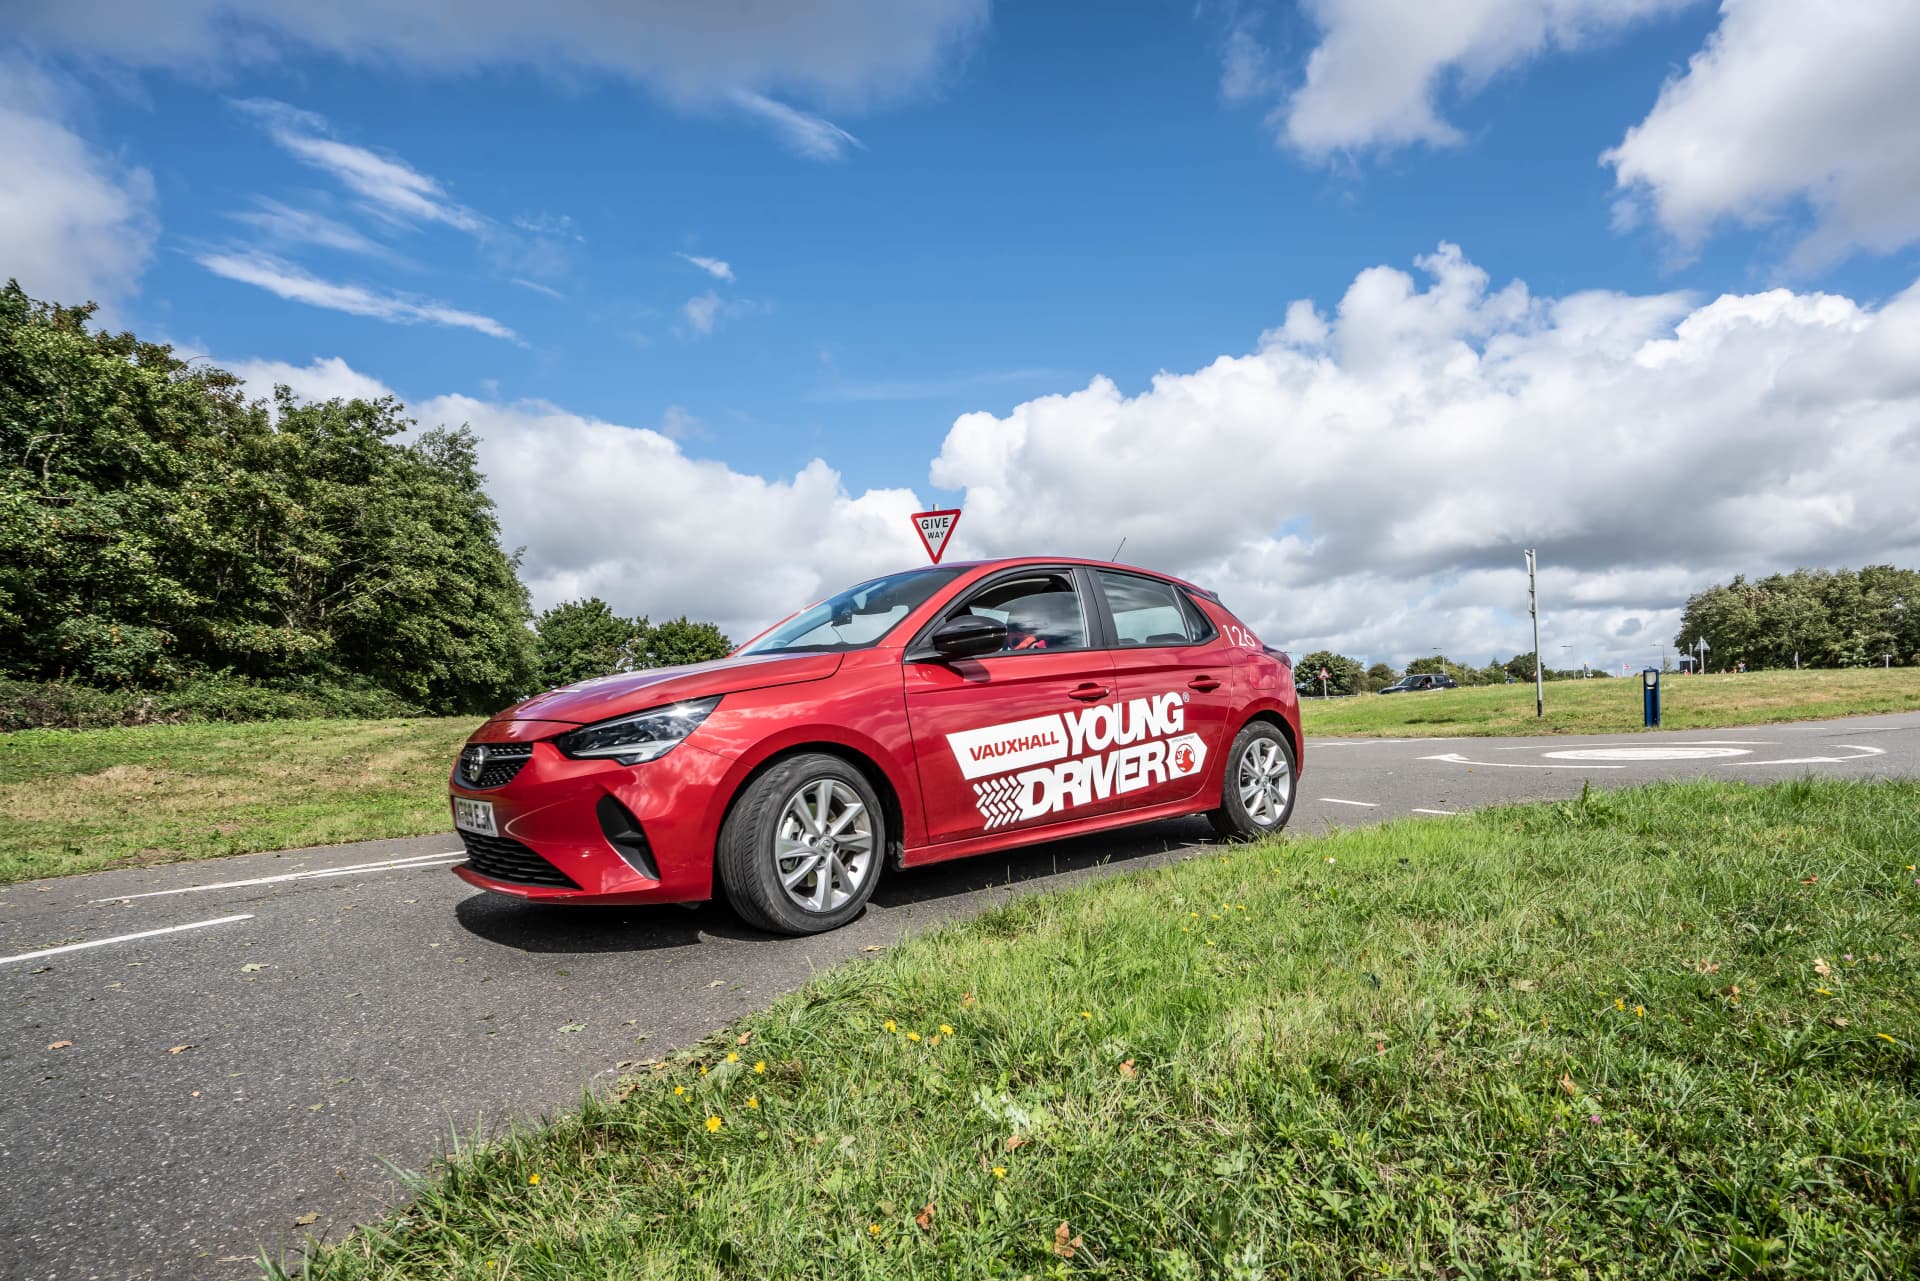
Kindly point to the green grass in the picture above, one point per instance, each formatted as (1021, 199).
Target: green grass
(82, 800)
(1659, 1033)
(1613, 706)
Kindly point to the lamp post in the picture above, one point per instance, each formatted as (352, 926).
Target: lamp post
(1533, 608)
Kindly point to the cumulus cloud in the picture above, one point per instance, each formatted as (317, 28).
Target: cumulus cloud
(1366, 479)
(298, 285)
(324, 378)
(75, 225)
(1363, 479)
(1376, 77)
(714, 267)
(1789, 106)
(690, 51)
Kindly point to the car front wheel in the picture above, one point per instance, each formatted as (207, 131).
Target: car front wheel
(800, 851)
(1256, 797)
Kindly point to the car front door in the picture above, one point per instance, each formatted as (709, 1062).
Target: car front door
(995, 736)
(1178, 687)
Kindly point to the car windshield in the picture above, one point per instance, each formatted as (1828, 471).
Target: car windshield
(854, 619)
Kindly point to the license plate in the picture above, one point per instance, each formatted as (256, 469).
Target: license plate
(474, 816)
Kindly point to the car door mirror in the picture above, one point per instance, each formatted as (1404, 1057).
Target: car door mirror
(969, 637)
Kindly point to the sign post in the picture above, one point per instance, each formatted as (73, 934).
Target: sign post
(1323, 682)
(935, 528)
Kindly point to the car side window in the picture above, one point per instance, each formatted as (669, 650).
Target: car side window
(1146, 611)
(1042, 611)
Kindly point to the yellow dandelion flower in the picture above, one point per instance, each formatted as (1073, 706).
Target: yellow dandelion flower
(913, 1036)
(713, 1123)
(1639, 1011)
(753, 1101)
(999, 1171)
(890, 1026)
(679, 1089)
(732, 1057)
(946, 1029)
(533, 1180)
(873, 1229)
(703, 1069)
(760, 1067)
(1086, 1014)
(1209, 942)
(1193, 914)
(1619, 1004)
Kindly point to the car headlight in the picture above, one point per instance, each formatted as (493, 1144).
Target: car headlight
(643, 736)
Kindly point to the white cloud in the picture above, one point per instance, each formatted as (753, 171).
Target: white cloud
(714, 267)
(297, 285)
(1376, 77)
(701, 312)
(538, 288)
(391, 186)
(806, 134)
(285, 225)
(75, 225)
(690, 51)
(1364, 479)
(1789, 105)
(325, 378)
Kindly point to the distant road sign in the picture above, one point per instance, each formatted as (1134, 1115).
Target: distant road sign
(934, 529)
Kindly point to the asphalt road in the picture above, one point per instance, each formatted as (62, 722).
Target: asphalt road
(263, 1059)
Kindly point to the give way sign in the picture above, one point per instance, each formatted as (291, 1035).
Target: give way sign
(933, 528)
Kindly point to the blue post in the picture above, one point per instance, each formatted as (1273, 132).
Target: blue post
(1650, 698)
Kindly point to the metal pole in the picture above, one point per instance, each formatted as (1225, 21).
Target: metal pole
(1533, 607)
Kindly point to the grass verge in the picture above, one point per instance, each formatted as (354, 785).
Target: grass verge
(1613, 706)
(1667, 1032)
(83, 800)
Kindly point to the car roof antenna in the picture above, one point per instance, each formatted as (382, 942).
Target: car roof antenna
(1116, 551)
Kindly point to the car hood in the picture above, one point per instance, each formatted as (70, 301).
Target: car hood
(616, 695)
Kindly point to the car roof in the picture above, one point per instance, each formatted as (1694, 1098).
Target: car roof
(1014, 562)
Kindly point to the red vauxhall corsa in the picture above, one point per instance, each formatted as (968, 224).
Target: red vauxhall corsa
(927, 715)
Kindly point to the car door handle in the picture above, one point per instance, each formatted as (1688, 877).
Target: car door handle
(1205, 684)
(1088, 693)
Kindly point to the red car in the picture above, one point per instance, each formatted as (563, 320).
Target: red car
(927, 715)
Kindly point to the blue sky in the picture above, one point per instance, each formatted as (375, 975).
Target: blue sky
(995, 210)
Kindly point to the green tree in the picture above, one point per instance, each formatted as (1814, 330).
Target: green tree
(1379, 676)
(156, 523)
(681, 640)
(577, 640)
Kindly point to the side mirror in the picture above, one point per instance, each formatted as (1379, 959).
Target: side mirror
(969, 636)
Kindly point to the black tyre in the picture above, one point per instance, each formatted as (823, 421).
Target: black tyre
(801, 848)
(1256, 797)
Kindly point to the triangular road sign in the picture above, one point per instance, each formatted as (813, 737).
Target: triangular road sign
(934, 528)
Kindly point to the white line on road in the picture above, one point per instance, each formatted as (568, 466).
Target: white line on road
(1335, 800)
(388, 865)
(1860, 754)
(1444, 813)
(123, 938)
(1454, 758)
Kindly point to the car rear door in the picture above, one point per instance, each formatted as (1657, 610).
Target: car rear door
(994, 736)
(1179, 685)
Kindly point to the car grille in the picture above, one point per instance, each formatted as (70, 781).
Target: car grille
(502, 762)
(505, 859)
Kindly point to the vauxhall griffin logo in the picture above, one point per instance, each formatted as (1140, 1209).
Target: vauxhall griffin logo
(477, 764)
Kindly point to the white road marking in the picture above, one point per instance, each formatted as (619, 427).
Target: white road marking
(1859, 754)
(1444, 813)
(1375, 742)
(123, 938)
(387, 865)
(1335, 800)
(1671, 752)
(1454, 758)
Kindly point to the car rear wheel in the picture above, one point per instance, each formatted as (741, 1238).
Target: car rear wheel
(800, 851)
(1256, 798)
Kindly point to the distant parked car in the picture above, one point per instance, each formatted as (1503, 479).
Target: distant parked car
(1422, 680)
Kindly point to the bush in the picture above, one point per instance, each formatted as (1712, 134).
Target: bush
(219, 697)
